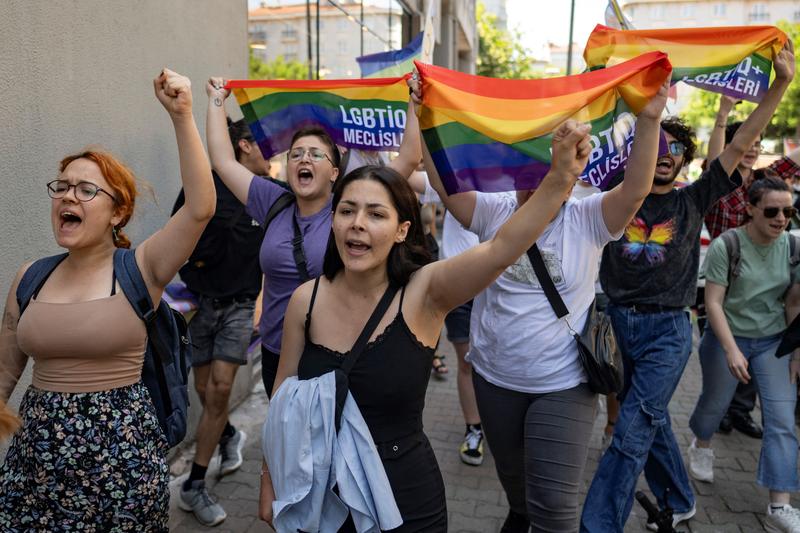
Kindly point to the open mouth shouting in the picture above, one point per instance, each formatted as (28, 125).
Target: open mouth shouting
(665, 167)
(356, 247)
(305, 176)
(69, 220)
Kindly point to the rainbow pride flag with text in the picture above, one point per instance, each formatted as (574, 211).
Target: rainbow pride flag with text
(733, 60)
(365, 114)
(494, 135)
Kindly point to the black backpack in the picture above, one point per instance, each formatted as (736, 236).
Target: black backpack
(165, 372)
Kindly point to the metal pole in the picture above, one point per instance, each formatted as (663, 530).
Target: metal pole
(361, 29)
(308, 35)
(317, 39)
(391, 44)
(569, 47)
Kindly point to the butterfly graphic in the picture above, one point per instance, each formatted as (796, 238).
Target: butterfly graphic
(650, 241)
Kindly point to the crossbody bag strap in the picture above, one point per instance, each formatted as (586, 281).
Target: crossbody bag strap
(549, 288)
(298, 253)
(380, 310)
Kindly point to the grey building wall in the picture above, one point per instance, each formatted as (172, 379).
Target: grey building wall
(79, 72)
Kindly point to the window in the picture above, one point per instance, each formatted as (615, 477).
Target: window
(719, 9)
(657, 12)
(289, 32)
(341, 23)
(342, 47)
(759, 13)
(687, 11)
(797, 15)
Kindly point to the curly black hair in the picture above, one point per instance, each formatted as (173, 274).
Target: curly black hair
(683, 133)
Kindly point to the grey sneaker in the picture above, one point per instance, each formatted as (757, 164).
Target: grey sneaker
(196, 500)
(230, 453)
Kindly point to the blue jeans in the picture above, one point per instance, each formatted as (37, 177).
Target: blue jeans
(777, 466)
(655, 348)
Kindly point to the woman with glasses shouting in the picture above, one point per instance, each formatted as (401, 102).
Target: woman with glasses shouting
(751, 295)
(298, 226)
(91, 454)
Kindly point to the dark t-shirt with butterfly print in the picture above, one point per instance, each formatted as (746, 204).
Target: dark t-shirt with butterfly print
(656, 260)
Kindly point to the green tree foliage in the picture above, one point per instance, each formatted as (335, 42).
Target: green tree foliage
(703, 105)
(278, 69)
(500, 53)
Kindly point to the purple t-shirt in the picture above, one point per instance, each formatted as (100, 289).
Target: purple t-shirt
(277, 262)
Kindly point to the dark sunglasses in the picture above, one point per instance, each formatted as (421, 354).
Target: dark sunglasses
(772, 212)
(676, 148)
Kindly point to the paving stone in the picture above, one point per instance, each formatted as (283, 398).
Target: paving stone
(476, 501)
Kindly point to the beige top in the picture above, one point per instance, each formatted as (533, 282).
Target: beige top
(85, 346)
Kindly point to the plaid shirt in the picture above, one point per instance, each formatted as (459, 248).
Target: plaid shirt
(731, 210)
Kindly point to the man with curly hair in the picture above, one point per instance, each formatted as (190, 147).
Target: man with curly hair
(650, 277)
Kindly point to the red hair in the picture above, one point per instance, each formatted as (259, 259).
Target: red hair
(122, 182)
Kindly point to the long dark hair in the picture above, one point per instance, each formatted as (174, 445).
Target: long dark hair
(405, 257)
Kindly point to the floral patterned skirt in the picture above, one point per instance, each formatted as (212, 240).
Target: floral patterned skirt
(92, 462)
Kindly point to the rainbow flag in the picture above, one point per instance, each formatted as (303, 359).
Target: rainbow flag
(364, 114)
(734, 60)
(494, 135)
(391, 63)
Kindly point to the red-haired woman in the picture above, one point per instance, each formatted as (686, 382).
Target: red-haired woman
(91, 455)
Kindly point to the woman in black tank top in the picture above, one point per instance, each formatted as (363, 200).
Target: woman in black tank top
(377, 240)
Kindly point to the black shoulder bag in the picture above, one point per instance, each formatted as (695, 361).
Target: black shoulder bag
(597, 346)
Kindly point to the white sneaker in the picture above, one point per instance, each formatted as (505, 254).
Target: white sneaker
(784, 520)
(677, 518)
(701, 463)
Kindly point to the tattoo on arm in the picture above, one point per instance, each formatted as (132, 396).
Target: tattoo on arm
(218, 101)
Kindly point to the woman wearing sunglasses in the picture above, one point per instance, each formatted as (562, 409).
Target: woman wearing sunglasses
(91, 455)
(749, 306)
(312, 167)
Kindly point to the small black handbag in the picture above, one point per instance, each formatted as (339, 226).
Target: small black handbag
(597, 346)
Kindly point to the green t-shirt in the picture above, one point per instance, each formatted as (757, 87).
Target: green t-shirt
(754, 303)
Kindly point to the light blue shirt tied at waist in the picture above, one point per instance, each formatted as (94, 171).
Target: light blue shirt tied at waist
(307, 459)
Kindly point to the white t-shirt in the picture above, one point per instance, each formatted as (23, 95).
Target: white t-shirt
(517, 341)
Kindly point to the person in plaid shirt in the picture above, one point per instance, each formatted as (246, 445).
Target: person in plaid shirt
(730, 212)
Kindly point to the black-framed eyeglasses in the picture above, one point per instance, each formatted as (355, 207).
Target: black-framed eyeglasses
(772, 212)
(84, 190)
(316, 154)
(676, 148)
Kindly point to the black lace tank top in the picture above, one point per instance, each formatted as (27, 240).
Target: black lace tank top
(388, 381)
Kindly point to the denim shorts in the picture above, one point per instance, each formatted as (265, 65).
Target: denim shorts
(457, 322)
(221, 332)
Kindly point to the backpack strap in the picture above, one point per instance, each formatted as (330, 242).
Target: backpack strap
(283, 201)
(549, 288)
(794, 250)
(135, 289)
(34, 278)
(732, 245)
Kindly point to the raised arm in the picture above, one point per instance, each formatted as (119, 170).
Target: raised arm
(622, 202)
(460, 205)
(410, 151)
(12, 359)
(716, 142)
(235, 175)
(161, 255)
(458, 279)
(749, 131)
